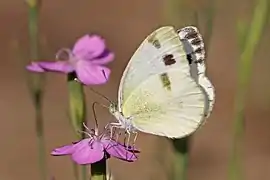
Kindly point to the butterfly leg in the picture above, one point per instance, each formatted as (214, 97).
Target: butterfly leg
(113, 126)
(135, 138)
(117, 136)
(126, 142)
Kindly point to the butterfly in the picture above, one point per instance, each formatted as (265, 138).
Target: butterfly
(157, 94)
(194, 47)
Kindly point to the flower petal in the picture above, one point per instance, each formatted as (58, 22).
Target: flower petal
(89, 73)
(117, 150)
(89, 47)
(63, 150)
(34, 67)
(104, 58)
(55, 66)
(86, 153)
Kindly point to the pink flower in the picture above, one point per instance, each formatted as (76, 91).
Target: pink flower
(87, 58)
(94, 149)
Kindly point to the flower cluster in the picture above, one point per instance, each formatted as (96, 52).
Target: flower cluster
(87, 59)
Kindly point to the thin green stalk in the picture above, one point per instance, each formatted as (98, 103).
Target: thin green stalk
(75, 170)
(36, 83)
(181, 153)
(178, 16)
(176, 12)
(175, 15)
(249, 38)
(98, 170)
(77, 109)
(209, 13)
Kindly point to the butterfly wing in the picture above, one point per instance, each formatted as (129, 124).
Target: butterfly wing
(144, 64)
(194, 45)
(209, 89)
(157, 90)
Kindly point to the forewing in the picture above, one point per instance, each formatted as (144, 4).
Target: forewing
(148, 60)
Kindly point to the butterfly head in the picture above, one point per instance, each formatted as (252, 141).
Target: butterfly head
(113, 108)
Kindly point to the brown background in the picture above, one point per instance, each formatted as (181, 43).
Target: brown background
(125, 24)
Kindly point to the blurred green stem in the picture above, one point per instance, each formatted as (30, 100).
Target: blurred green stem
(252, 35)
(181, 149)
(77, 114)
(177, 13)
(98, 170)
(179, 16)
(209, 13)
(36, 83)
(77, 109)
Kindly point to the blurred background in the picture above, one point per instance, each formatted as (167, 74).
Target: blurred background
(124, 25)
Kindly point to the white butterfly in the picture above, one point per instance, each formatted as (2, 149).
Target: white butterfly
(157, 94)
(194, 46)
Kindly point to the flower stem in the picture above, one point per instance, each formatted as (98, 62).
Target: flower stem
(77, 109)
(181, 152)
(35, 83)
(179, 17)
(75, 170)
(249, 37)
(99, 170)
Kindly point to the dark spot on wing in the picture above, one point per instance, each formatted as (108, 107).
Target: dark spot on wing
(154, 41)
(165, 81)
(189, 58)
(196, 41)
(169, 60)
(198, 50)
(191, 33)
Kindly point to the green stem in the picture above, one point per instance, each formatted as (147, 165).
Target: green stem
(84, 172)
(252, 36)
(75, 170)
(176, 12)
(178, 16)
(98, 170)
(181, 152)
(36, 84)
(77, 114)
(41, 139)
(209, 12)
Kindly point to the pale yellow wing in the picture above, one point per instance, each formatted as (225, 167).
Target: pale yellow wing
(157, 90)
(174, 113)
(148, 60)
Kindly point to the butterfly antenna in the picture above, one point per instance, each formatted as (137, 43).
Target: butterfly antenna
(94, 113)
(101, 95)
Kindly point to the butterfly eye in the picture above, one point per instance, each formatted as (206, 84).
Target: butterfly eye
(113, 107)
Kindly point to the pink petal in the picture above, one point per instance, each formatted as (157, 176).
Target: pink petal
(89, 73)
(117, 150)
(34, 67)
(89, 47)
(104, 59)
(84, 153)
(55, 66)
(64, 150)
